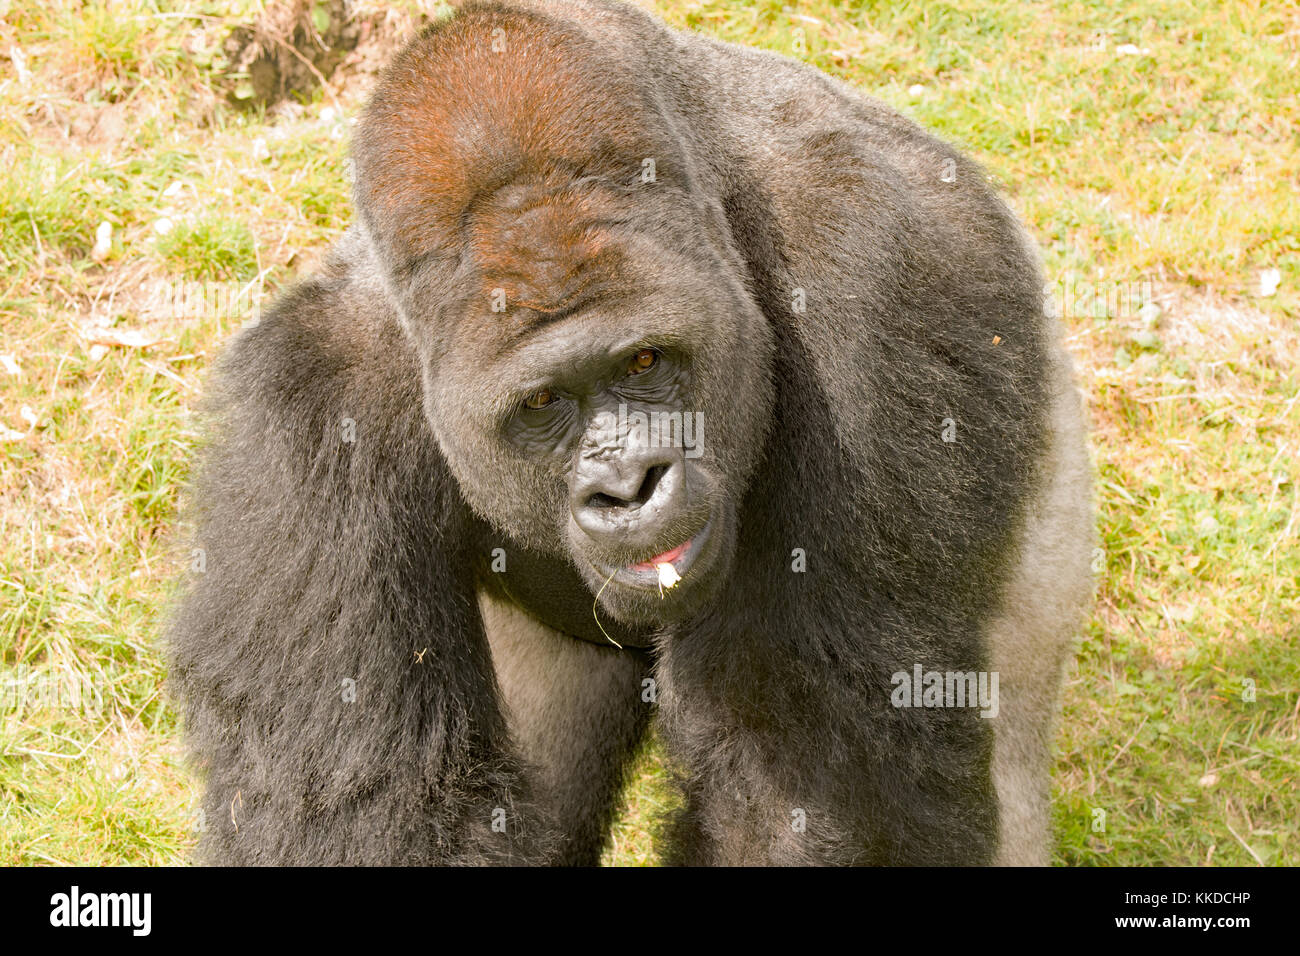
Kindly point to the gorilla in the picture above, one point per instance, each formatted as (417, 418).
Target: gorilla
(659, 383)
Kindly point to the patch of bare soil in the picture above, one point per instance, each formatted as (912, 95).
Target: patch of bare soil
(295, 46)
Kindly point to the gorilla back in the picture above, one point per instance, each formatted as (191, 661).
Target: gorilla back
(658, 380)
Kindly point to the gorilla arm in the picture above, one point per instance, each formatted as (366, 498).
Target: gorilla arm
(918, 304)
(338, 685)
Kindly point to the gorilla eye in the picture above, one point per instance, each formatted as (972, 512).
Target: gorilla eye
(539, 399)
(643, 361)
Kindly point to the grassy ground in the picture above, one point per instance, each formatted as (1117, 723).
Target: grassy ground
(1153, 152)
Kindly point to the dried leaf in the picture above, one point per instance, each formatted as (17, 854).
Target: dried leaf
(126, 338)
(1269, 280)
(103, 242)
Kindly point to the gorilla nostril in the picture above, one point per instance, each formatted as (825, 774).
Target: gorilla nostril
(643, 493)
(652, 479)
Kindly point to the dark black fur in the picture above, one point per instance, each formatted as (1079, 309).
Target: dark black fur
(329, 560)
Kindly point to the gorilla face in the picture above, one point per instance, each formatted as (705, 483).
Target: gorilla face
(615, 419)
(552, 291)
(609, 416)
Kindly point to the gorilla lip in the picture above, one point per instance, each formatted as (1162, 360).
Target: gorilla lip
(668, 557)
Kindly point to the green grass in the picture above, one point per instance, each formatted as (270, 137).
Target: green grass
(1170, 167)
(210, 249)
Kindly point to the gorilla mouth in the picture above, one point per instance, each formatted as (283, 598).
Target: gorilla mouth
(645, 574)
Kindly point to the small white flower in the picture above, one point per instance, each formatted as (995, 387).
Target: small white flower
(668, 575)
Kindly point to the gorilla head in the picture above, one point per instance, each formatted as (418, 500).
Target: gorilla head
(577, 330)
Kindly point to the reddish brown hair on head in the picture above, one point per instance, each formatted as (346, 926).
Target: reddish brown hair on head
(546, 245)
(490, 97)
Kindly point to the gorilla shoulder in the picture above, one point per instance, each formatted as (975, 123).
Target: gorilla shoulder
(327, 345)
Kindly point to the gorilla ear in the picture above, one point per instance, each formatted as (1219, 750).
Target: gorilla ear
(485, 98)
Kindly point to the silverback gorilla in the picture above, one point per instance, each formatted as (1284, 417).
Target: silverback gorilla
(658, 381)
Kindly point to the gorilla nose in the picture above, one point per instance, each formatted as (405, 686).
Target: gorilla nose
(622, 495)
(628, 501)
